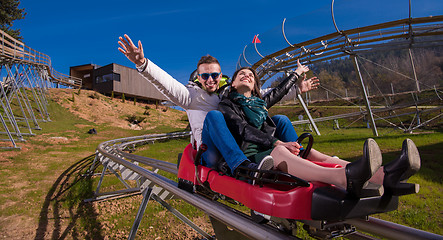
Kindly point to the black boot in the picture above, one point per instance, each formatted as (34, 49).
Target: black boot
(401, 169)
(359, 172)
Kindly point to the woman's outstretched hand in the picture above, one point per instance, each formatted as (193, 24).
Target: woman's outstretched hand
(132, 52)
(308, 85)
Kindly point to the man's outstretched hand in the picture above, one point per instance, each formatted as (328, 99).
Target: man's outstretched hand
(133, 53)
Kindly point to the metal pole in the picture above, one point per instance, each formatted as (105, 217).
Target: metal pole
(31, 112)
(7, 108)
(7, 132)
(300, 99)
(141, 210)
(40, 98)
(365, 95)
(391, 230)
(413, 70)
(18, 94)
(180, 216)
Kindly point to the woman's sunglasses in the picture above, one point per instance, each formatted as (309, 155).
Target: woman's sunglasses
(206, 76)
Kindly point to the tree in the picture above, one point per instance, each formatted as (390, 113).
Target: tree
(9, 12)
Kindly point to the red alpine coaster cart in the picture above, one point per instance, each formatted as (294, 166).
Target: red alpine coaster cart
(279, 195)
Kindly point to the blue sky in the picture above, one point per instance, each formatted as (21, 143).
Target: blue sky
(175, 34)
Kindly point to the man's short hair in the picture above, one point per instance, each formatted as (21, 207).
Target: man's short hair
(208, 59)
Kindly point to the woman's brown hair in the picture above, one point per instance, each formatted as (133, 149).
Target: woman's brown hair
(256, 90)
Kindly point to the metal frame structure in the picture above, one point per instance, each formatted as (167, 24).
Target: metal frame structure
(26, 76)
(344, 43)
(408, 34)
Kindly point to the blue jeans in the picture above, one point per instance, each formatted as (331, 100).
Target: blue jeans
(284, 131)
(221, 143)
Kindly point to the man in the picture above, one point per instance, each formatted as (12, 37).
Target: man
(199, 98)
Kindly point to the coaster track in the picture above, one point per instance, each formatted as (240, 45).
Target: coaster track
(406, 33)
(116, 157)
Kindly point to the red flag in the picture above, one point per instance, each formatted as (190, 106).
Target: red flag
(256, 40)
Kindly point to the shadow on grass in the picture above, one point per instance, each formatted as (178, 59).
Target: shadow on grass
(63, 214)
(431, 164)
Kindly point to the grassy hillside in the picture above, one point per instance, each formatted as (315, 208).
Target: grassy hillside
(43, 184)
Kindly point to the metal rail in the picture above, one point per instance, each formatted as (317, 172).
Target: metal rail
(111, 151)
(116, 151)
(13, 51)
(400, 34)
(353, 41)
(363, 112)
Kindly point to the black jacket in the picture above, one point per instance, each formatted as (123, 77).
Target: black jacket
(243, 132)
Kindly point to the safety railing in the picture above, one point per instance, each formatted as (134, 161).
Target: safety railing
(13, 50)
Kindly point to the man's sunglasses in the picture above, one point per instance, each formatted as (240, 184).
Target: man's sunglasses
(206, 76)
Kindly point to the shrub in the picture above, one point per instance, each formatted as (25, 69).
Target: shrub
(134, 119)
(94, 96)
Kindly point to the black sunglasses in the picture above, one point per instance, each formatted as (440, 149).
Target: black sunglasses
(206, 76)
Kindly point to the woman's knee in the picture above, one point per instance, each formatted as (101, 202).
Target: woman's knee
(279, 119)
(213, 116)
(278, 150)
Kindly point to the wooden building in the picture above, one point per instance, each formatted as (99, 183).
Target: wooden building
(117, 79)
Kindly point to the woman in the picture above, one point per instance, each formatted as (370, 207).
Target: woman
(246, 115)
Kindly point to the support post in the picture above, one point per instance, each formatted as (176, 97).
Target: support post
(413, 70)
(141, 210)
(300, 99)
(182, 217)
(365, 96)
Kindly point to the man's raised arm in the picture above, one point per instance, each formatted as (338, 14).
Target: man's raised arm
(165, 83)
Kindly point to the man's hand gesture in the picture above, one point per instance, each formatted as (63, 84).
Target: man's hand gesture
(133, 53)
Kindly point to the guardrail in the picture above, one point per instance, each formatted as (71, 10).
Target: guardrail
(16, 51)
(114, 155)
